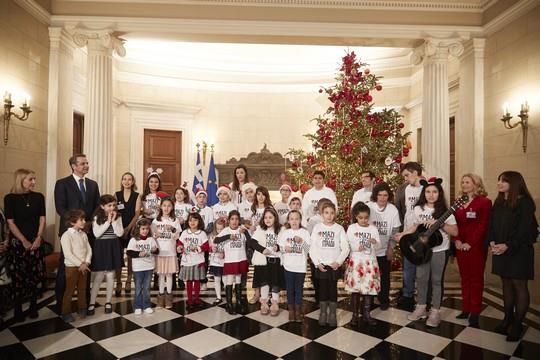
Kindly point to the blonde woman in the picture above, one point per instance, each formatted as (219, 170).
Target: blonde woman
(25, 214)
(472, 220)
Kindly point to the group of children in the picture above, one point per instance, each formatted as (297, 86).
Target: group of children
(175, 237)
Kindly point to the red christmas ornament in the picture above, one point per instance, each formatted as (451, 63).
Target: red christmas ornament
(304, 188)
(396, 265)
(369, 98)
(331, 184)
(320, 90)
(401, 125)
(398, 159)
(295, 163)
(366, 71)
(378, 87)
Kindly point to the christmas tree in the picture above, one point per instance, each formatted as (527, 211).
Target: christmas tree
(351, 138)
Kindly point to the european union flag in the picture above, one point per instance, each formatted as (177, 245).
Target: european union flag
(212, 187)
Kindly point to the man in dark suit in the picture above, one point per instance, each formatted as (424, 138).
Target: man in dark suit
(73, 192)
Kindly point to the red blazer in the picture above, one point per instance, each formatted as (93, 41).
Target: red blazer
(473, 222)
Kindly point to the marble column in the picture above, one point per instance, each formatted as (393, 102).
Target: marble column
(60, 118)
(434, 54)
(98, 122)
(470, 119)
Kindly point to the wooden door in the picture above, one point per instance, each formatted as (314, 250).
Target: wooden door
(78, 133)
(163, 149)
(452, 159)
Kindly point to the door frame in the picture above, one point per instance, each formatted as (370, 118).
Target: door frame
(145, 118)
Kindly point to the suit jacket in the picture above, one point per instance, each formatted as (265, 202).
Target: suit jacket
(67, 196)
(399, 201)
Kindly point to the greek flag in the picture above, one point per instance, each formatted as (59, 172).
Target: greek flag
(212, 185)
(198, 181)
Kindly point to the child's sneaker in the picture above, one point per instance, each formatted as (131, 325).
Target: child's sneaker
(418, 313)
(148, 310)
(138, 311)
(434, 318)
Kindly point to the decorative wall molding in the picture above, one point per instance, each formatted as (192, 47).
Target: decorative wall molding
(267, 28)
(140, 104)
(36, 10)
(475, 6)
(514, 12)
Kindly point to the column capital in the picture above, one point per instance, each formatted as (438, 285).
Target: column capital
(103, 40)
(437, 50)
(60, 40)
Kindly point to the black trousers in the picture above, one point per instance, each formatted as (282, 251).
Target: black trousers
(384, 268)
(314, 280)
(327, 284)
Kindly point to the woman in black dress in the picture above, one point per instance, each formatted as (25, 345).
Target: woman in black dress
(25, 214)
(511, 233)
(129, 207)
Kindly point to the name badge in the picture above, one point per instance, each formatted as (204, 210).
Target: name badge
(471, 215)
(120, 206)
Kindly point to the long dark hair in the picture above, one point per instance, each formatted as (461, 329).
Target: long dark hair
(517, 189)
(276, 225)
(267, 202)
(440, 205)
(147, 187)
(235, 182)
(195, 215)
(100, 215)
(358, 208)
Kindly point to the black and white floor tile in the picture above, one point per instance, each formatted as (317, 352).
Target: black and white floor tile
(208, 332)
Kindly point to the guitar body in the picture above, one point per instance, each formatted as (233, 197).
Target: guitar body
(417, 248)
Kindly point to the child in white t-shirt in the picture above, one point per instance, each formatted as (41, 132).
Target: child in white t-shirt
(141, 249)
(193, 243)
(282, 207)
(329, 249)
(216, 258)
(294, 243)
(362, 277)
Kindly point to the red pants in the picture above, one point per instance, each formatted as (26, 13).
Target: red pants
(471, 269)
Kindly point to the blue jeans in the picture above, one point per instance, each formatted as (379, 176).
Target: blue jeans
(142, 289)
(295, 287)
(409, 275)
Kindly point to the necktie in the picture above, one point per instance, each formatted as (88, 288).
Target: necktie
(82, 190)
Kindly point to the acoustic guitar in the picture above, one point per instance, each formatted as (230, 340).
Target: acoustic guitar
(417, 247)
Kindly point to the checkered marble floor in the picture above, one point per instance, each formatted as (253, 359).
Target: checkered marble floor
(208, 332)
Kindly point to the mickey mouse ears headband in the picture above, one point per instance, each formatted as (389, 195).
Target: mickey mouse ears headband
(157, 172)
(431, 181)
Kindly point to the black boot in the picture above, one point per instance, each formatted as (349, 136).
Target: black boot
(502, 328)
(366, 307)
(18, 313)
(33, 310)
(228, 296)
(238, 294)
(355, 300)
(514, 332)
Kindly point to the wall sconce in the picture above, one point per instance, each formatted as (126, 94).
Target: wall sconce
(524, 122)
(8, 105)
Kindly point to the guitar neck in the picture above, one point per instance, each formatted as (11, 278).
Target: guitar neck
(440, 221)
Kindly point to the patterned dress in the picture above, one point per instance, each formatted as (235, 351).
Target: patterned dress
(362, 274)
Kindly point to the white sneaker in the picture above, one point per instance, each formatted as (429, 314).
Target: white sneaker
(148, 310)
(138, 311)
(204, 287)
(434, 318)
(418, 313)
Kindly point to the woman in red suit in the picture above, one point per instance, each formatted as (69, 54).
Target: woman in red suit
(472, 220)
